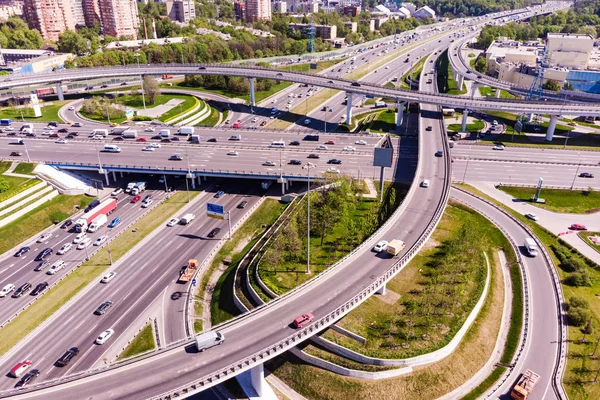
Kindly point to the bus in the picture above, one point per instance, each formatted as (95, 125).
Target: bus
(5, 122)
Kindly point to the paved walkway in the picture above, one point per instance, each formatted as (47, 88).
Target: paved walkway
(157, 111)
(557, 223)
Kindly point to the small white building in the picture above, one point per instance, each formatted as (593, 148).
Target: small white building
(424, 12)
(279, 6)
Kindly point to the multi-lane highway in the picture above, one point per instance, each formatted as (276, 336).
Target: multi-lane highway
(143, 276)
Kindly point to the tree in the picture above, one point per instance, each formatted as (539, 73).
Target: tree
(4, 186)
(73, 42)
(481, 65)
(551, 84)
(568, 86)
(151, 89)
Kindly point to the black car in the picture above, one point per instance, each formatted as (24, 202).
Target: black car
(202, 68)
(294, 143)
(313, 155)
(334, 161)
(586, 175)
(439, 153)
(214, 232)
(295, 162)
(41, 265)
(70, 136)
(24, 288)
(243, 204)
(166, 140)
(53, 124)
(92, 205)
(176, 157)
(156, 137)
(28, 377)
(429, 128)
(174, 139)
(119, 138)
(39, 288)
(103, 308)
(212, 140)
(63, 130)
(44, 253)
(67, 357)
(123, 83)
(67, 224)
(355, 84)
(103, 86)
(16, 154)
(22, 251)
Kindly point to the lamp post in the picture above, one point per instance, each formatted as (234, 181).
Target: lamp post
(26, 151)
(109, 253)
(467, 166)
(137, 57)
(308, 166)
(576, 172)
(187, 176)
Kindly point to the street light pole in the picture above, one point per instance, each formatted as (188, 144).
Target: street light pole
(109, 253)
(576, 172)
(308, 166)
(187, 187)
(137, 57)
(229, 220)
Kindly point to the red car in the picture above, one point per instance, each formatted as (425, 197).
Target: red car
(141, 139)
(330, 142)
(303, 320)
(19, 369)
(135, 199)
(578, 227)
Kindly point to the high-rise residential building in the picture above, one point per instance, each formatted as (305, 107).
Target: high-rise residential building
(119, 18)
(77, 11)
(91, 12)
(239, 9)
(50, 17)
(258, 10)
(181, 10)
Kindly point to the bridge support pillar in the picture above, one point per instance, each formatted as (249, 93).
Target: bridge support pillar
(381, 290)
(551, 127)
(205, 178)
(193, 180)
(400, 113)
(252, 82)
(474, 87)
(199, 180)
(121, 172)
(349, 109)
(59, 91)
(381, 175)
(106, 177)
(498, 93)
(257, 378)
(459, 81)
(114, 176)
(464, 121)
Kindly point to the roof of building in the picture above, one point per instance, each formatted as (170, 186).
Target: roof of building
(579, 36)
(425, 9)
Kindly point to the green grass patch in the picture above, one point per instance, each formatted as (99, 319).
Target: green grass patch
(559, 200)
(198, 326)
(25, 168)
(51, 301)
(321, 65)
(16, 185)
(445, 77)
(474, 126)
(49, 112)
(144, 341)
(213, 118)
(222, 306)
(4, 166)
(182, 108)
(385, 122)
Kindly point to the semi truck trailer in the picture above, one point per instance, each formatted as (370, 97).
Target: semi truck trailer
(106, 207)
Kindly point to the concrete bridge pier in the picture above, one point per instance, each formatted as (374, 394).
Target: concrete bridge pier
(121, 172)
(381, 290)
(114, 176)
(199, 180)
(551, 127)
(459, 81)
(104, 172)
(400, 113)
(349, 109)
(498, 92)
(252, 99)
(190, 176)
(257, 378)
(59, 91)
(464, 121)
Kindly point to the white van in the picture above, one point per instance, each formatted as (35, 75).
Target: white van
(425, 183)
(111, 148)
(165, 132)
(277, 144)
(17, 141)
(209, 339)
(186, 130)
(26, 130)
(100, 132)
(26, 126)
(236, 137)
(531, 246)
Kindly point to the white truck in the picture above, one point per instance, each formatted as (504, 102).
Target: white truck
(130, 186)
(97, 223)
(187, 218)
(129, 134)
(138, 188)
(207, 340)
(395, 247)
(531, 246)
(100, 132)
(164, 132)
(186, 130)
(117, 130)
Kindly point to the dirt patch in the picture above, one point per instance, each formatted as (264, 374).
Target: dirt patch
(242, 243)
(431, 244)
(389, 297)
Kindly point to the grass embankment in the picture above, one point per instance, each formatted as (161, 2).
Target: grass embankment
(425, 383)
(489, 91)
(16, 185)
(474, 126)
(384, 122)
(144, 341)
(445, 77)
(24, 168)
(343, 223)
(321, 65)
(581, 365)
(584, 236)
(213, 118)
(51, 301)
(222, 306)
(49, 112)
(53, 211)
(430, 299)
(559, 200)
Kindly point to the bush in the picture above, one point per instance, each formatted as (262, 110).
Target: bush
(579, 278)
(578, 316)
(4, 186)
(577, 302)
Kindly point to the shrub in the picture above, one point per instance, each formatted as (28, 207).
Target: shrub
(4, 186)
(579, 278)
(577, 302)
(578, 316)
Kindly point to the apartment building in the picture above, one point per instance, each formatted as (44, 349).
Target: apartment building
(258, 10)
(119, 18)
(91, 12)
(50, 17)
(181, 10)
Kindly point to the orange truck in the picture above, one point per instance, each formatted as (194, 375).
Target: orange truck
(524, 385)
(188, 272)
(167, 76)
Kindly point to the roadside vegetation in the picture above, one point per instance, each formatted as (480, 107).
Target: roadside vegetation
(445, 77)
(339, 222)
(24, 168)
(559, 200)
(474, 126)
(51, 301)
(49, 112)
(428, 302)
(144, 341)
